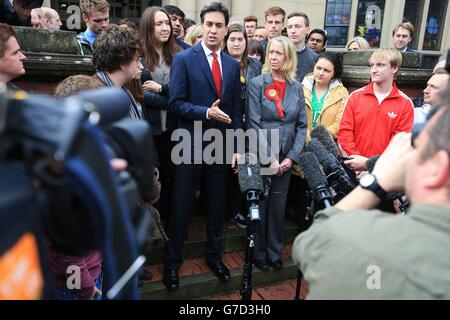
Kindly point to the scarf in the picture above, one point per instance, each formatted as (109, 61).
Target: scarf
(135, 109)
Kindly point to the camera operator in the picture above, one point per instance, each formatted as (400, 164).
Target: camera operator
(11, 58)
(59, 258)
(352, 252)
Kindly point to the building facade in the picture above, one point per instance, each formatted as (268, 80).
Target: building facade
(343, 19)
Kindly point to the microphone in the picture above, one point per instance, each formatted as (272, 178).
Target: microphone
(250, 183)
(331, 166)
(249, 174)
(111, 103)
(321, 133)
(316, 179)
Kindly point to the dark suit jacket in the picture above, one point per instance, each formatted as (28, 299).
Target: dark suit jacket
(182, 44)
(261, 113)
(193, 91)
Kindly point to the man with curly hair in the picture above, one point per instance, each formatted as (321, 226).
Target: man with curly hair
(116, 58)
(96, 16)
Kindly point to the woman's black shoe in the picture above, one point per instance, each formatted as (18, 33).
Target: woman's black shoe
(261, 265)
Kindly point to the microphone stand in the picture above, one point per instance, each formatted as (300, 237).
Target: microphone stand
(322, 196)
(253, 218)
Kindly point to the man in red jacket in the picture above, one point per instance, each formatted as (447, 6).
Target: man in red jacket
(375, 113)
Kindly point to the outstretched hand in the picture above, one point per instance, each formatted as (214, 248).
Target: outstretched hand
(215, 113)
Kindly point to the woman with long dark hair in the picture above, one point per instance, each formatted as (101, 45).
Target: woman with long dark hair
(159, 48)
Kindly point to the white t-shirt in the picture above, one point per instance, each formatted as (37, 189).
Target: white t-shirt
(382, 96)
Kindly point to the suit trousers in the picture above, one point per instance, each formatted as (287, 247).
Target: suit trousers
(269, 238)
(163, 146)
(187, 179)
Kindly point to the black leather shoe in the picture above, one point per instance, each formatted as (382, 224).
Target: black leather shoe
(144, 276)
(276, 265)
(171, 279)
(261, 264)
(220, 270)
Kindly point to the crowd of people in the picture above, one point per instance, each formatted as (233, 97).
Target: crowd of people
(232, 74)
(28, 13)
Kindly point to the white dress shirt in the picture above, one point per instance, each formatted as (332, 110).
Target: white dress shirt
(210, 58)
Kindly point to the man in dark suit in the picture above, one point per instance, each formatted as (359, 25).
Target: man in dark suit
(402, 36)
(204, 90)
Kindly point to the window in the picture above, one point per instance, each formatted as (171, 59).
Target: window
(369, 21)
(134, 8)
(337, 19)
(435, 25)
(413, 13)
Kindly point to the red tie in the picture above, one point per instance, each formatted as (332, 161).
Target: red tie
(216, 74)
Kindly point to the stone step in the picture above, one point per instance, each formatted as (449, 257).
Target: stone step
(233, 240)
(198, 282)
(275, 291)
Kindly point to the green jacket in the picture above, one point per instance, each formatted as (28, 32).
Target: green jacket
(366, 254)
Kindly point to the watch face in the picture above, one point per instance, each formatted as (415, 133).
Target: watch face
(366, 180)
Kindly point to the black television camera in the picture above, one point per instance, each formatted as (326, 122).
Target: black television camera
(57, 182)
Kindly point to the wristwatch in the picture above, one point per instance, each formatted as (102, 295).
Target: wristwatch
(369, 182)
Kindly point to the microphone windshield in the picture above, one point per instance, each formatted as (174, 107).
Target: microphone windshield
(311, 170)
(111, 103)
(326, 159)
(370, 163)
(249, 173)
(321, 133)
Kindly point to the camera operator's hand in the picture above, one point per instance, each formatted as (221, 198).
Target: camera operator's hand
(157, 186)
(357, 163)
(97, 293)
(215, 113)
(390, 168)
(119, 164)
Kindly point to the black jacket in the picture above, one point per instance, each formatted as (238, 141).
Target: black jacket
(154, 103)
